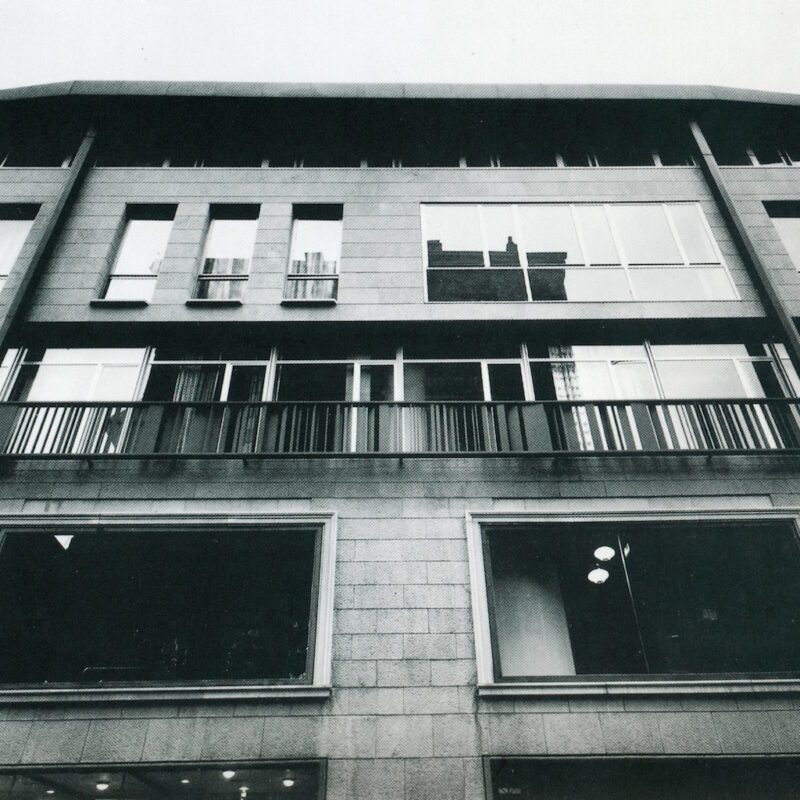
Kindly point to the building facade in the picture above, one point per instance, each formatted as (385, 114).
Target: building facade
(399, 442)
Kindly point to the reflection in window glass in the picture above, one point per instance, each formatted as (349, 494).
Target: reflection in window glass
(142, 247)
(681, 283)
(785, 217)
(590, 285)
(13, 233)
(692, 233)
(500, 236)
(741, 778)
(549, 235)
(505, 382)
(231, 238)
(597, 238)
(453, 236)
(323, 382)
(377, 383)
(442, 382)
(80, 374)
(645, 234)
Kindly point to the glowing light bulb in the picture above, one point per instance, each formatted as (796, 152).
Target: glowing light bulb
(604, 553)
(228, 774)
(598, 575)
(288, 779)
(101, 786)
(184, 780)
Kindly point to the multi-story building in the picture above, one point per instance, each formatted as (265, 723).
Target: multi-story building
(399, 442)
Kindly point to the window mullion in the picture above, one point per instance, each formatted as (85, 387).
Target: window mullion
(637, 623)
(487, 391)
(521, 251)
(675, 236)
(623, 259)
(484, 243)
(651, 362)
(527, 378)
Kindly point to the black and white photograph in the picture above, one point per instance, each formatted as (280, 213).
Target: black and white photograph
(399, 401)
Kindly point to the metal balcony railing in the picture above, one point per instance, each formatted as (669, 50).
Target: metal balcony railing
(274, 429)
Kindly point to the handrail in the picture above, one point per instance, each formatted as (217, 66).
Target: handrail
(196, 429)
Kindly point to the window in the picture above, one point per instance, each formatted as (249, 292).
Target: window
(314, 254)
(57, 376)
(609, 778)
(785, 217)
(16, 222)
(140, 253)
(553, 252)
(229, 249)
(658, 598)
(226, 603)
(298, 780)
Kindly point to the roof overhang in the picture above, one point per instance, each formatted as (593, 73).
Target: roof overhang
(398, 91)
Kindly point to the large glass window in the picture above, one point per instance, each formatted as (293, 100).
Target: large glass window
(217, 604)
(608, 778)
(266, 780)
(230, 242)
(658, 598)
(786, 219)
(16, 222)
(140, 253)
(314, 254)
(547, 252)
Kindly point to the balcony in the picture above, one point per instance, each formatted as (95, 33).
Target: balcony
(326, 429)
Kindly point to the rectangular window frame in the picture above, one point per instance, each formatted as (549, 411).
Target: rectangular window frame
(321, 618)
(17, 212)
(490, 686)
(622, 265)
(225, 212)
(160, 212)
(324, 212)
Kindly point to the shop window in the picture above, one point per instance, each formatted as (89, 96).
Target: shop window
(643, 598)
(158, 605)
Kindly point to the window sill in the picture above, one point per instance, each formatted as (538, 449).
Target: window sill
(134, 694)
(290, 301)
(721, 685)
(197, 301)
(100, 302)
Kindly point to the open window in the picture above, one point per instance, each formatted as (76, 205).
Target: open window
(230, 242)
(609, 600)
(149, 604)
(140, 253)
(315, 251)
(16, 222)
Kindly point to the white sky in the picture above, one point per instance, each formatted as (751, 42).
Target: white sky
(745, 43)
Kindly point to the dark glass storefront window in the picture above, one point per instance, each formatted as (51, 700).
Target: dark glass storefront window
(298, 780)
(177, 605)
(644, 778)
(661, 598)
